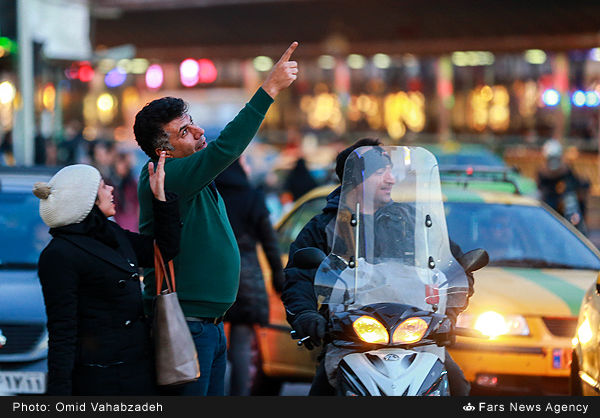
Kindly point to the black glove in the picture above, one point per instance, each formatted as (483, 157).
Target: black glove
(310, 324)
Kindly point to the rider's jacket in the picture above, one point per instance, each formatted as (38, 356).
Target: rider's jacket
(298, 293)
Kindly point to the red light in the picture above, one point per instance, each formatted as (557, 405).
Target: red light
(85, 73)
(72, 73)
(470, 171)
(207, 72)
(488, 380)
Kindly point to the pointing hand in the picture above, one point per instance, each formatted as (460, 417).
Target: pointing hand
(283, 73)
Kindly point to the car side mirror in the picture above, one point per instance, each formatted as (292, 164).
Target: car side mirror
(308, 258)
(474, 260)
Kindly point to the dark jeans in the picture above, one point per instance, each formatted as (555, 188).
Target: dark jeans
(211, 344)
(459, 385)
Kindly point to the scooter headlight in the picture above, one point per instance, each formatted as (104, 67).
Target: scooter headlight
(410, 331)
(370, 330)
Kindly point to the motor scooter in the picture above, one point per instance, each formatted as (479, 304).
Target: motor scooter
(390, 278)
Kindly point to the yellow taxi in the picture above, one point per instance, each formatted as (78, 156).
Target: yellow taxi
(526, 300)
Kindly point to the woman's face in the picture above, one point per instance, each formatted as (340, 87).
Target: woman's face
(104, 201)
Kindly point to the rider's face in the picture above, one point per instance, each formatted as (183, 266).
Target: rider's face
(381, 183)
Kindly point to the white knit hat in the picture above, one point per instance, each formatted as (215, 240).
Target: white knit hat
(69, 196)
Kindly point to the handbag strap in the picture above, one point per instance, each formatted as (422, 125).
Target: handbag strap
(160, 272)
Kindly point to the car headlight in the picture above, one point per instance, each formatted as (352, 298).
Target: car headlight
(494, 324)
(584, 332)
(370, 330)
(410, 331)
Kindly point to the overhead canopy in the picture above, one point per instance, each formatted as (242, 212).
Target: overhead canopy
(245, 28)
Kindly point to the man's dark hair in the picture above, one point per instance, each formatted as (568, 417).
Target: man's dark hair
(149, 123)
(343, 155)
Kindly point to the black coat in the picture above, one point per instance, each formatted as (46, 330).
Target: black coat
(299, 180)
(298, 294)
(249, 218)
(553, 185)
(99, 341)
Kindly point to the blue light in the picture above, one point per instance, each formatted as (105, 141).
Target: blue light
(115, 77)
(551, 97)
(578, 98)
(592, 99)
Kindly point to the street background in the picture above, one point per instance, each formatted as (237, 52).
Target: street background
(503, 77)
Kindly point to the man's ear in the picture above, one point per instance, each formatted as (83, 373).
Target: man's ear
(157, 151)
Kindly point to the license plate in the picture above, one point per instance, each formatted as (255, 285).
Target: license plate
(23, 382)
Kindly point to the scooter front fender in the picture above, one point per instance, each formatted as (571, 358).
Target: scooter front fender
(392, 372)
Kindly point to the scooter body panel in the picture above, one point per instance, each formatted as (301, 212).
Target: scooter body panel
(392, 372)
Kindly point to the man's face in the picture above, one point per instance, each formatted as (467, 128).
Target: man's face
(184, 136)
(380, 183)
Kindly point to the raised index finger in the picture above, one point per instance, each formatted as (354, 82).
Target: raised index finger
(288, 53)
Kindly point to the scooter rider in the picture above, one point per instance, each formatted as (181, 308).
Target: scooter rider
(299, 296)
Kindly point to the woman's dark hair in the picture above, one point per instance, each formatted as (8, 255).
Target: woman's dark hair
(343, 155)
(149, 123)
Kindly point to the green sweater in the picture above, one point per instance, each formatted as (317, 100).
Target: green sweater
(207, 269)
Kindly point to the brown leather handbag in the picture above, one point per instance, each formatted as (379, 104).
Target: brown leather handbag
(175, 353)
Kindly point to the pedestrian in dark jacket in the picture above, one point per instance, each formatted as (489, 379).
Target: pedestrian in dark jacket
(299, 180)
(99, 341)
(249, 219)
(299, 295)
(561, 188)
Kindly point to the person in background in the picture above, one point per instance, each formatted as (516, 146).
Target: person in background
(6, 149)
(208, 266)
(99, 338)
(125, 184)
(561, 188)
(71, 149)
(249, 219)
(102, 156)
(299, 181)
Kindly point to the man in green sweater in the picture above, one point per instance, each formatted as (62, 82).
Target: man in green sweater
(207, 268)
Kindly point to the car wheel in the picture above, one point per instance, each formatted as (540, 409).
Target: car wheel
(575, 385)
(261, 384)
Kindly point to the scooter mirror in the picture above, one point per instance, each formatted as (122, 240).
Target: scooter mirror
(474, 260)
(308, 258)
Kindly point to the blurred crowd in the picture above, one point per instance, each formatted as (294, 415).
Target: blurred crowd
(282, 174)
(116, 163)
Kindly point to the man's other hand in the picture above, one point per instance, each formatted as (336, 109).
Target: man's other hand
(283, 73)
(310, 324)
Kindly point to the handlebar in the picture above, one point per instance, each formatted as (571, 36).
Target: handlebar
(295, 336)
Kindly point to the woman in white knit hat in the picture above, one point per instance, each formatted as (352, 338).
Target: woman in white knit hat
(99, 342)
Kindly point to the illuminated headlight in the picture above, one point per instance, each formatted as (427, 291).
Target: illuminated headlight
(370, 330)
(584, 332)
(410, 331)
(494, 324)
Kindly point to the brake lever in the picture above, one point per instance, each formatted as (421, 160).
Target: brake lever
(300, 342)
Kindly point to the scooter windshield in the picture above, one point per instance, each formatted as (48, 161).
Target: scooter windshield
(390, 242)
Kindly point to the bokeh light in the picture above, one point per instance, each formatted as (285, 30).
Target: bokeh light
(262, 63)
(115, 77)
(154, 76)
(189, 71)
(7, 92)
(551, 97)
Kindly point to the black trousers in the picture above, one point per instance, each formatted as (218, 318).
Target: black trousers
(459, 385)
